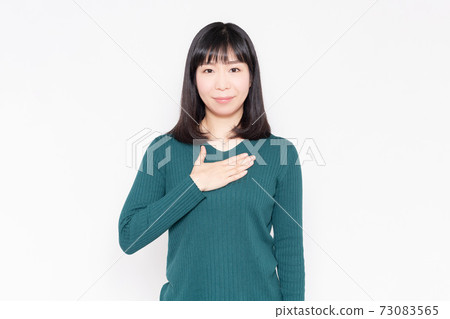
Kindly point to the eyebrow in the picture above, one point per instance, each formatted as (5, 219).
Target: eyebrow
(229, 62)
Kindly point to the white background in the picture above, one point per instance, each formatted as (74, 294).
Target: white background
(367, 81)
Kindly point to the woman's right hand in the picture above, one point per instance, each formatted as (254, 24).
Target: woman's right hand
(210, 176)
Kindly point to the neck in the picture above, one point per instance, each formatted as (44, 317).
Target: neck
(219, 128)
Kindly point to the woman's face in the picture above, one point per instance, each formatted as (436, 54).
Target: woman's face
(219, 80)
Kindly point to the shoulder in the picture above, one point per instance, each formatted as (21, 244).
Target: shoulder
(286, 146)
(154, 145)
(156, 142)
(288, 157)
(160, 138)
(279, 140)
(159, 141)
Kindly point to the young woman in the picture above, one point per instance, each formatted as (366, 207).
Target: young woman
(219, 181)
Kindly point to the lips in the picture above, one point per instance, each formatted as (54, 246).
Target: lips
(223, 98)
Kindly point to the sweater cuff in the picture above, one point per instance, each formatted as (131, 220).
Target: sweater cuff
(193, 191)
(186, 194)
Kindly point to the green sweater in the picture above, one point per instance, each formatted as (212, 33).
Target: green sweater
(220, 246)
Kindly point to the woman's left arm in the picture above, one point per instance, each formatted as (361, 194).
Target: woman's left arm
(288, 228)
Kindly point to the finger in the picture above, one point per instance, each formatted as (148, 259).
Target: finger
(201, 156)
(237, 176)
(248, 160)
(239, 156)
(242, 164)
(239, 168)
(203, 153)
(235, 159)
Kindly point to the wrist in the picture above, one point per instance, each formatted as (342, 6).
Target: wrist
(196, 183)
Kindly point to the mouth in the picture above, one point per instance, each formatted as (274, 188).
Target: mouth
(224, 99)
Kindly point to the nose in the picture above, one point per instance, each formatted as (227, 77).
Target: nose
(222, 80)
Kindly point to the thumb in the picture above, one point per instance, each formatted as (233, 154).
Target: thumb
(201, 155)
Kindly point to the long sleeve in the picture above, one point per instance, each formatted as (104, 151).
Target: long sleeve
(148, 210)
(288, 231)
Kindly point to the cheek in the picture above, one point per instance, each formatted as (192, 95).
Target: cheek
(242, 84)
(203, 85)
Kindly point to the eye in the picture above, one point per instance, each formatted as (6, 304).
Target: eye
(206, 70)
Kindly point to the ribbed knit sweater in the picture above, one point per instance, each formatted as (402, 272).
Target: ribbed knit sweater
(220, 243)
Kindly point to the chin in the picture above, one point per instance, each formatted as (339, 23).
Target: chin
(224, 110)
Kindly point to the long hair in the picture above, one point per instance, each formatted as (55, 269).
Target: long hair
(216, 39)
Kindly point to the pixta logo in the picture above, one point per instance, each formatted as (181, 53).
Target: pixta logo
(138, 144)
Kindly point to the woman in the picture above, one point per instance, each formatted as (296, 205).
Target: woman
(219, 201)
